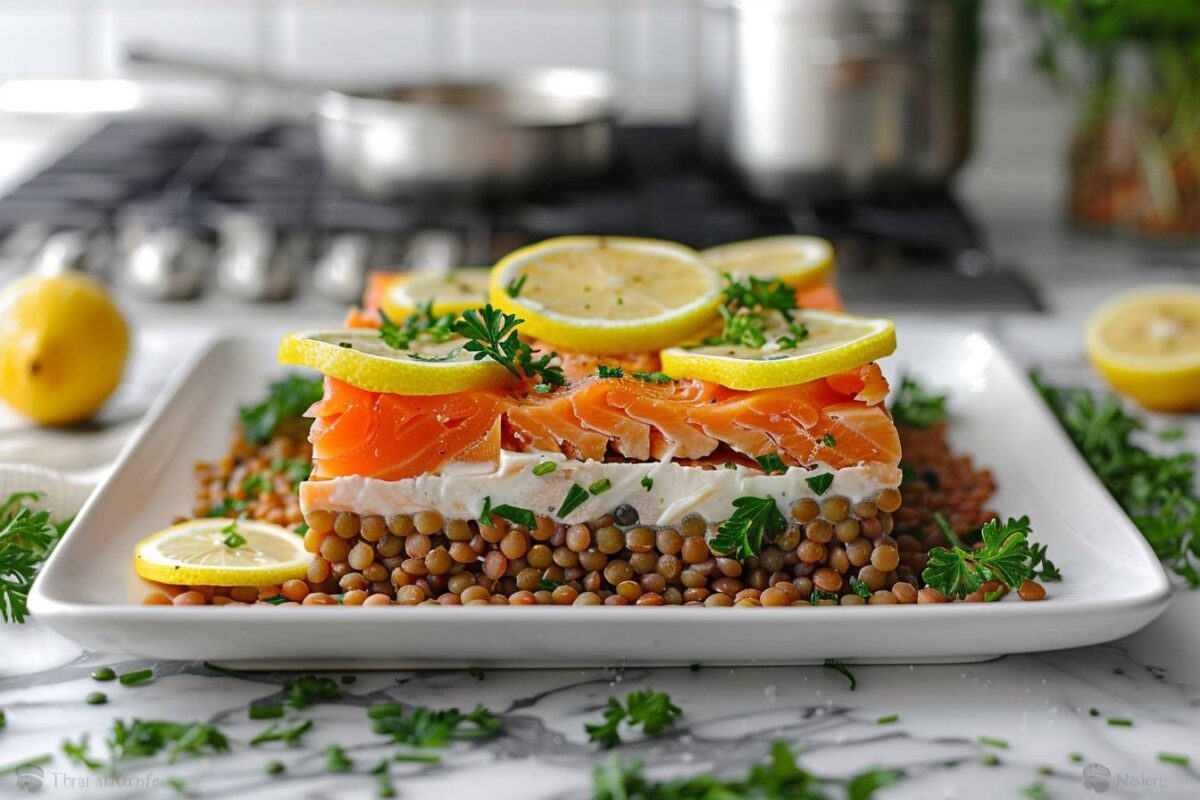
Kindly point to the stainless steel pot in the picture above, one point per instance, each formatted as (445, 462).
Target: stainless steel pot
(836, 97)
(447, 138)
(502, 136)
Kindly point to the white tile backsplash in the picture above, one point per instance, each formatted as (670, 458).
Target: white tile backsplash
(649, 44)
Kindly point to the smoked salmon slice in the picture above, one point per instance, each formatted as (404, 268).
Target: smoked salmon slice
(840, 421)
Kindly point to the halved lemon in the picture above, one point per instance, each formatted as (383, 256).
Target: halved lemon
(607, 294)
(798, 261)
(222, 552)
(360, 357)
(1146, 343)
(456, 291)
(834, 343)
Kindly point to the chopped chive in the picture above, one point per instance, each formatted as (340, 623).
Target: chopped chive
(1076, 757)
(520, 516)
(302, 529)
(274, 767)
(605, 371)
(419, 758)
(485, 516)
(544, 468)
(1045, 770)
(1174, 758)
(137, 678)
(991, 741)
(828, 440)
(837, 666)
(232, 538)
(104, 674)
(576, 496)
(1035, 791)
(648, 482)
(266, 712)
(542, 388)
(1119, 722)
(989, 760)
(820, 483)
(96, 699)
(888, 720)
(276, 600)
(601, 486)
(515, 286)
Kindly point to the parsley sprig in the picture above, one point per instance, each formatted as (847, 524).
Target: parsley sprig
(423, 323)
(1006, 555)
(141, 738)
(917, 407)
(652, 710)
(753, 520)
(26, 539)
(282, 409)
(493, 334)
(749, 306)
(1157, 492)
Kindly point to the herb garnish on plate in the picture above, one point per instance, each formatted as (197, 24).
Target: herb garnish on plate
(283, 407)
(652, 710)
(753, 520)
(1006, 555)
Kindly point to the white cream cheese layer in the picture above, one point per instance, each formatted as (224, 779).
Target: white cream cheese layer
(675, 491)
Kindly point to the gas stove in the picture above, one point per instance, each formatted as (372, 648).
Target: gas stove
(169, 210)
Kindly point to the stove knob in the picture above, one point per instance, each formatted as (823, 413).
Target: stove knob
(341, 273)
(165, 264)
(254, 265)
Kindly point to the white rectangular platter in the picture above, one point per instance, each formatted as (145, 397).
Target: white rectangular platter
(1113, 585)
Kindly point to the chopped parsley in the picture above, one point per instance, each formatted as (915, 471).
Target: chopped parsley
(1157, 492)
(817, 595)
(548, 585)
(278, 732)
(888, 720)
(265, 712)
(753, 520)
(232, 539)
(652, 377)
(283, 407)
(1119, 722)
(647, 482)
(779, 777)
(917, 407)
(1174, 758)
(860, 588)
(485, 516)
(424, 727)
(601, 486)
(140, 738)
(605, 371)
(820, 483)
(256, 484)
(1171, 434)
(137, 677)
(104, 674)
(336, 759)
(385, 788)
(652, 710)
(296, 470)
(771, 464)
(544, 468)
(423, 323)
(749, 306)
(828, 440)
(991, 741)
(576, 496)
(96, 698)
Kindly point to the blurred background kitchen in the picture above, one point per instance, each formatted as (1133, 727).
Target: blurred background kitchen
(937, 142)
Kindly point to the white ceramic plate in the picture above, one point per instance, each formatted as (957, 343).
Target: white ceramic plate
(1113, 585)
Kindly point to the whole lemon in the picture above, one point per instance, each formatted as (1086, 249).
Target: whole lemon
(63, 345)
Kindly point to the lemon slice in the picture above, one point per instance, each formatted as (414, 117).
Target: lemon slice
(456, 291)
(835, 343)
(607, 294)
(360, 357)
(222, 552)
(1146, 343)
(798, 261)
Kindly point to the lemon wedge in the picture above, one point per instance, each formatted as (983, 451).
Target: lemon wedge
(1146, 344)
(360, 357)
(222, 552)
(798, 261)
(607, 294)
(456, 291)
(834, 343)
